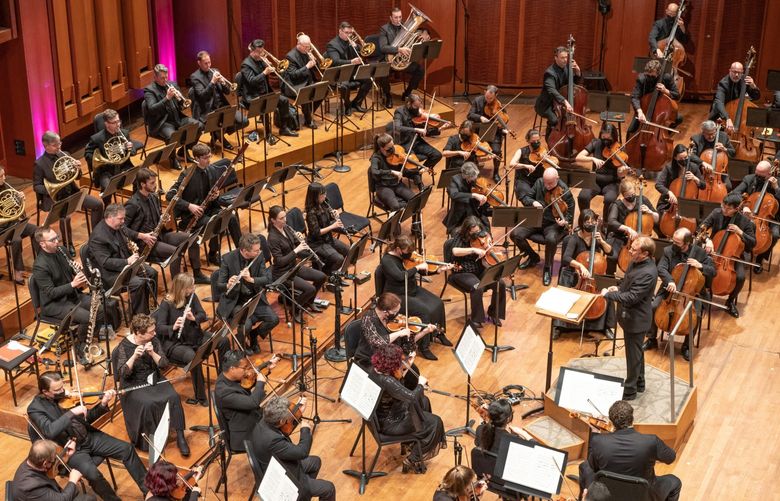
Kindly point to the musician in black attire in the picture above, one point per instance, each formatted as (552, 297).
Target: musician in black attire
(191, 199)
(492, 432)
(477, 114)
(108, 245)
(464, 202)
(285, 249)
(682, 251)
(754, 183)
(454, 154)
(60, 425)
(300, 73)
(163, 480)
(729, 88)
(460, 482)
(254, 76)
(555, 76)
(554, 227)
(387, 35)
(635, 311)
(404, 130)
(662, 28)
(269, 440)
(706, 140)
(469, 270)
(27, 231)
(527, 171)
(607, 175)
(620, 233)
(673, 170)
(386, 178)
(142, 215)
(322, 227)
(209, 91)
(727, 216)
(31, 481)
(239, 406)
(648, 82)
(243, 271)
(342, 52)
(44, 170)
(97, 142)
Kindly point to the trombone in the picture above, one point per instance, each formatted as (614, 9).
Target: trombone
(278, 67)
(185, 103)
(366, 49)
(320, 62)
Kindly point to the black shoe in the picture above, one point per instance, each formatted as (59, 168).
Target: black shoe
(287, 132)
(427, 354)
(650, 343)
(253, 349)
(298, 317)
(732, 309)
(226, 145)
(640, 387)
(175, 165)
(686, 353)
(443, 339)
(348, 111)
(476, 325)
(181, 443)
(388, 102)
(214, 259)
(496, 178)
(311, 124)
(547, 277)
(358, 108)
(71, 250)
(759, 270)
(631, 396)
(495, 320)
(271, 139)
(200, 278)
(144, 447)
(530, 262)
(191, 401)
(203, 402)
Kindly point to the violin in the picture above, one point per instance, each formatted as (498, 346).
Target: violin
(417, 258)
(89, 396)
(618, 158)
(492, 256)
(435, 124)
(541, 155)
(495, 111)
(742, 135)
(671, 220)
(554, 198)
(400, 157)
(296, 414)
(716, 190)
(763, 209)
(598, 423)
(480, 148)
(494, 197)
(641, 222)
(596, 263)
(252, 373)
(414, 324)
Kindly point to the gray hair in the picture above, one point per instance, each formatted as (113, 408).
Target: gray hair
(708, 125)
(160, 68)
(248, 240)
(276, 410)
(113, 210)
(469, 169)
(50, 137)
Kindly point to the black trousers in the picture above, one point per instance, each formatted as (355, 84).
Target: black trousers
(16, 245)
(140, 288)
(307, 283)
(263, 315)
(739, 268)
(102, 177)
(92, 204)
(167, 244)
(363, 87)
(99, 444)
(394, 197)
(665, 487)
(550, 116)
(314, 487)
(183, 354)
(775, 232)
(416, 73)
(332, 254)
(81, 316)
(522, 189)
(429, 155)
(469, 281)
(635, 363)
(553, 234)
(608, 189)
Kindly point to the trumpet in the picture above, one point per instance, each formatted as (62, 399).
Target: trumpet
(364, 49)
(185, 103)
(233, 86)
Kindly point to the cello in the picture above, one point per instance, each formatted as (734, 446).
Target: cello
(571, 125)
(688, 281)
(727, 246)
(716, 190)
(742, 135)
(678, 52)
(682, 188)
(596, 263)
(763, 209)
(641, 222)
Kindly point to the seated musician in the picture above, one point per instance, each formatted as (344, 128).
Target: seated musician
(554, 227)
(454, 154)
(728, 216)
(662, 28)
(269, 440)
(137, 360)
(681, 252)
(628, 452)
(464, 202)
(44, 170)
(646, 83)
(754, 183)
(210, 92)
(254, 75)
(60, 426)
(165, 106)
(390, 191)
(342, 52)
(244, 272)
(163, 481)
(178, 324)
(191, 202)
(142, 215)
(388, 34)
(59, 286)
(404, 130)
(9, 210)
(239, 405)
(32, 481)
(673, 170)
(468, 271)
(300, 73)
(323, 229)
(108, 245)
(728, 90)
(526, 170)
(104, 143)
(619, 233)
(477, 113)
(706, 140)
(285, 248)
(460, 482)
(491, 433)
(399, 412)
(607, 175)
(555, 76)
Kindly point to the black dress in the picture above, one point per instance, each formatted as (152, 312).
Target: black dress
(144, 408)
(467, 277)
(422, 303)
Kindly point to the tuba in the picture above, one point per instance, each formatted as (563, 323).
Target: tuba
(116, 152)
(11, 204)
(406, 38)
(66, 169)
(364, 49)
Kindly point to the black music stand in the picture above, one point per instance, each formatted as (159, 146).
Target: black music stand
(697, 209)
(280, 287)
(738, 169)
(374, 71)
(153, 158)
(219, 120)
(509, 217)
(445, 177)
(202, 354)
(492, 277)
(185, 136)
(63, 209)
(660, 245)
(773, 80)
(122, 281)
(119, 181)
(179, 251)
(282, 175)
(339, 77)
(263, 106)
(611, 107)
(216, 226)
(311, 94)
(14, 232)
(413, 209)
(247, 197)
(387, 230)
(764, 118)
(489, 130)
(578, 178)
(425, 51)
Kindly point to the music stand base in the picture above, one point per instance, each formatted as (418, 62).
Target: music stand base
(341, 168)
(336, 355)
(364, 477)
(496, 349)
(462, 430)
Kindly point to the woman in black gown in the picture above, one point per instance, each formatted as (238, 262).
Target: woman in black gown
(399, 412)
(323, 228)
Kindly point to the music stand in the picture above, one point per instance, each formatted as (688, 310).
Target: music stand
(611, 107)
(764, 118)
(425, 51)
(414, 208)
(697, 209)
(579, 178)
(538, 479)
(339, 76)
(219, 120)
(216, 226)
(153, 158)
(185, 136)
(373, 71)
(468, 350)
(119, 181)
(262, 106)
(282, 175)
(489, 130)
(492, 277)
(738, 169)
(311, 94)
(179, 251)
(247, 197)
(443, 183)
(773, 80)
(63, 210)
(202, 354)
(280, 287)
(387, 230)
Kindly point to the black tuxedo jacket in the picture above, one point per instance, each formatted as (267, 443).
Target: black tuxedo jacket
(231, 266)
(160, 110)
(207, 97)
(254, 83)
(297, 73)
(109, 249)
(33, 484)
(635, 297)
(54, 421)
(52, 276)
(140, 216)
(240, 409)
(269, 441)
(628, 452)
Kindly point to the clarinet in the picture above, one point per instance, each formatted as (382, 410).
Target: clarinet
(302, 239)
(186, 311)
(336, 217)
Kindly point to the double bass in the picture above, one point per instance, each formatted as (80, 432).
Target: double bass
(641, 222)
(596, 263)
(572, 126)
(742, 135)
(715, 189)
(763, 209)
(682, 188)
(678, 52)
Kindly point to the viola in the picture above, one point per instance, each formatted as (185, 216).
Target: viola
(89, 396)
(494, 197)
(435, 124)
(726, 245)
(495, 111)
(480, 148)
(763, 209)
(596, 263)
(618, 158)
(186, 482)
(690, 282)
(414, 324)
(541, 155)
(295, 417)
(400, 157)
(742, 135)
(417, 258)
(252, 373)
(671, 220)
(641, 222)
(493, 256)
(554, 198)
(599, 423)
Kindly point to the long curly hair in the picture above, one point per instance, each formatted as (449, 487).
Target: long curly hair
(387, 359)
(161, 478)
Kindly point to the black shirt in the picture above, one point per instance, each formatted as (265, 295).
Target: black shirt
(645, 84)
(618, 213)
(728, 91)
(404, 126)
(661, 30)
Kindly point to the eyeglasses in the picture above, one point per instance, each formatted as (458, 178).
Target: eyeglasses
(55, 238)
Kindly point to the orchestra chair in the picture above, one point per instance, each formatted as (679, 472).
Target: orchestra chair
(213, 298)
(379, 281)
(350, 220)
(374, 202)
(372, 425)
(483, 462)
(231, 451)
(449, 244)
(18, 366)
(144, 112)
(8, 495)
(352, 334)
(296, 221)
(539, 120)
(626, 486)
(257, 470)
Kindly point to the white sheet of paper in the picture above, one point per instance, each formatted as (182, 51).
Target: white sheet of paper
(579, 387)
(470, 350)
(276, 486)
(533, 467)
(17, 346)
(160, 434)
(359, 392)
(557, 301)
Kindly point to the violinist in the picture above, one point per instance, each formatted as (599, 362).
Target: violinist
(32, 482)
(398, 411)
(497, 426)
(465, 202)
(239, 403)
(706, 140)
(754, 183)
(323, 229)
(404, 130)
(619, 232)
(556, 221)
(728, 90)
(662, 28)
(672, 171)
(484, 108)
(163, 481)
(646, 83)
(467, 257)
(527, 171)
(728, 217)
(421, 302)
(555, 77)
(608, 176)
(682, 251)
(268, 440)
(454, 152)
(389, 189)
(60, 425)
(460, 484)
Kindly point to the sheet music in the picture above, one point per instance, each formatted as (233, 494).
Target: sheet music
(276, 485)
(557, 301)
(359, 392)
(469, 350)
(579, 387)
(160, 434)
(533, 467)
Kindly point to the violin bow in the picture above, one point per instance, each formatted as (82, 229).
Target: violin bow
(40, 434)
(160, 455)
(425, 128)
(549, 150)
(503, 237)
(560, 473)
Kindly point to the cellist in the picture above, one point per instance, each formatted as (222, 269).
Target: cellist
(555, 76)
(728, 90)
(662, 28)
(477, 113)
(646, 83)
(619, 233)
(682, 251)
(672, 171)
(706, 140)
(607, 175)
(754, 183)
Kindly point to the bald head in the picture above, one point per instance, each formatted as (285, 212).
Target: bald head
(42, 451)
(763, 169)
(736, 70)
(671, 9)
(550, 177)
(682, 238)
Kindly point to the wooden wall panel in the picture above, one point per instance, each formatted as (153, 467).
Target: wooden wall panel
(137, 32)
(84, 53)
(108, 21)
(58, 18)
(8, 30)
(627, 27)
